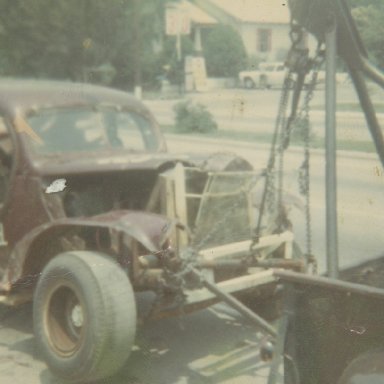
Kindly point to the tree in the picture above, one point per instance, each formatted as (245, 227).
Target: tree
(152, 32)
(224, 52)
(72, 39)
(369, 16)
(365, 3)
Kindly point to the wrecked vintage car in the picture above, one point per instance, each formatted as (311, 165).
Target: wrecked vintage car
(93, 209)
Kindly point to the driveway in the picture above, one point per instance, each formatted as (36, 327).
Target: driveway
(209, 346)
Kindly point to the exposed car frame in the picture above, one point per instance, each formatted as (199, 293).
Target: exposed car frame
(82, 231)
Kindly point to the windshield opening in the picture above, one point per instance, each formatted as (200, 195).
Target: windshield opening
(90, 130)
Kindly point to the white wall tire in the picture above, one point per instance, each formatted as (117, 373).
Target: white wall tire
(84, 316)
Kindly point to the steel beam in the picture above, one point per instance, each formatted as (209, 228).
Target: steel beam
(369, 111)
(330, 153)
(235, 304)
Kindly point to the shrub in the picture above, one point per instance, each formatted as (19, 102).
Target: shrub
(192, 117)
(253, 62)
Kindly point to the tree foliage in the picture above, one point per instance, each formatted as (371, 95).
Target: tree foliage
(193, 118)
(365, 3)
(224, 52)
(369, 16)
(72, 39)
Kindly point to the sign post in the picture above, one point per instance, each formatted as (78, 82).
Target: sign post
(177, 23)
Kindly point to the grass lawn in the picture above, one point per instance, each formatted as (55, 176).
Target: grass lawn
(349, 107)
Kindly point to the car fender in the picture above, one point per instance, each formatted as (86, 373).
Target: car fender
(146, 228)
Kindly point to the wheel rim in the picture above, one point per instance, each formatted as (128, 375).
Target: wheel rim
(65, 320)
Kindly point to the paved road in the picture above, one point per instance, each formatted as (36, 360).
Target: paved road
(360, 194)
(255, 110)
(360, 176)
(210, 346)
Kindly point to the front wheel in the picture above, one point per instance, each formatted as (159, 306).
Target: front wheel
(249, 83)
(84, 316)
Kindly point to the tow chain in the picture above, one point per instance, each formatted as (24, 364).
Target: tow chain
(295, 64)
(268, 198)
(303, 123)
(300, 64)
(175, 280)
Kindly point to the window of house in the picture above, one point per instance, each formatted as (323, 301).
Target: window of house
(264, 40)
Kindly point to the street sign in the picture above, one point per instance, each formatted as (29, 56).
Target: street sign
(177, 22)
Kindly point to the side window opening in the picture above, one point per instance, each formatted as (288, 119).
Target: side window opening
(86, 130)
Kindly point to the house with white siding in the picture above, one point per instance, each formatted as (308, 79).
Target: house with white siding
(262, 24)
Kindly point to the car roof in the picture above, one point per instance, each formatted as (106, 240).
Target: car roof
(18, 96)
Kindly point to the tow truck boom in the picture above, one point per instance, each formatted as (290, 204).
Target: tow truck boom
(317, 16)
(333, 328)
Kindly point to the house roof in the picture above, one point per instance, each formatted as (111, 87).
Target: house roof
(196, 14)
(256, 11)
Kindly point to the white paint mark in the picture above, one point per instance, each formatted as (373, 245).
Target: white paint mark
(57, 185)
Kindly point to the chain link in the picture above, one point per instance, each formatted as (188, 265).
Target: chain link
(299, 62)
(303, 124)
(175, 280)
(269, 193)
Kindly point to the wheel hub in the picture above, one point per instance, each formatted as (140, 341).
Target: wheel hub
(66, 320)
(77, 316)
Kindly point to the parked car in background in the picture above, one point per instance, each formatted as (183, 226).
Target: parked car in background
(271, 75)
(268, 75)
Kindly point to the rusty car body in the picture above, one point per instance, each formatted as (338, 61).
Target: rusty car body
(94, 209)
